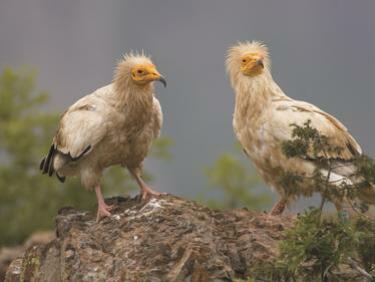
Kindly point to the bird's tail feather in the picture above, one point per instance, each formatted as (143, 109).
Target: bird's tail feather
(42, 163)
(60, 178)
(46, 165)
(344, 174)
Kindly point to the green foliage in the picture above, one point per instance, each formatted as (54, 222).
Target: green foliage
(236, 184)
(318, 249)
(366, 245)
(161, 147)
(365, 170)
(29, 201)
(309, 144)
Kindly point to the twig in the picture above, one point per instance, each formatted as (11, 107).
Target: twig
(326, 184)
(326, 271)
(355, 265)
(355, 209)
(323, 201)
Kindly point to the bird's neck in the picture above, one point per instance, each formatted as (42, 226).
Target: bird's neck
(135, 101)
(253, 95)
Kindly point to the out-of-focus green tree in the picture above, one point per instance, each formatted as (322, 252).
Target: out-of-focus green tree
(236, 183)
(28, 200)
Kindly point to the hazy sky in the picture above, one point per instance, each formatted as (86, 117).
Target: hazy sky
(322, 52)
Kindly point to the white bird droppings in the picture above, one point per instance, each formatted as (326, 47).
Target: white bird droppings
(153, 204)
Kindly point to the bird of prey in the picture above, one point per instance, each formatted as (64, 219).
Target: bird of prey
(262, 120)
(114, 125)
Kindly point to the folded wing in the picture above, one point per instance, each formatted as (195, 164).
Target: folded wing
(157, 119)
(81, 128)
(287, 111)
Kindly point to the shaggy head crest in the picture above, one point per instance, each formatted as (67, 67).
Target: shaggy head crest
(136, 69)
(130, 60)
(237, 53)
(136, 57)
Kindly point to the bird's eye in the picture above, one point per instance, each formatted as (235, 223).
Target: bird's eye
(140, 71)
(244, 60)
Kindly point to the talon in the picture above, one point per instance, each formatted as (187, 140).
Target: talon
(102, 213)
(110, 207)
(103, 208)
(148, 192)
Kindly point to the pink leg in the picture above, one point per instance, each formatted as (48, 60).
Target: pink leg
(103, 208)
(279, 207)
(146, 191)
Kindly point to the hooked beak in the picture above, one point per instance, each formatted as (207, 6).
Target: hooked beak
(163, 81)
(155, 75)
(260, 63)
(253, 68)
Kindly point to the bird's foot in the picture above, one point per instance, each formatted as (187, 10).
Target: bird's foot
(104, 210)
(147, 192)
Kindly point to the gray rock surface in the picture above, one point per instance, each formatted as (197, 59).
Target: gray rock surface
(164, 239)
(9, 254)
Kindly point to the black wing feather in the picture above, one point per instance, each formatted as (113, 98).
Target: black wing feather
(47, 161)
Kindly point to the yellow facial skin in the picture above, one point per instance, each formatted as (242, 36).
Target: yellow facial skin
(146, 73)
(252, 64)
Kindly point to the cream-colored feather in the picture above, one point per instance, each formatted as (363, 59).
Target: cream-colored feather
(114, 125)
(262, 121)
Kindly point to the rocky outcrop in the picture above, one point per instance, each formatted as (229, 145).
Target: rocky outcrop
(8, 254)
(164, 239)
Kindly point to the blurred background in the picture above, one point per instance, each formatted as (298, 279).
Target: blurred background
(54, 52)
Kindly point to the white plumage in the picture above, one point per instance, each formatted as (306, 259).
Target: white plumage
(262, 121)
(116, 124)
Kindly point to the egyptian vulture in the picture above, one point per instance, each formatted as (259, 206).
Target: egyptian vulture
(114, 125)
(262, 120)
